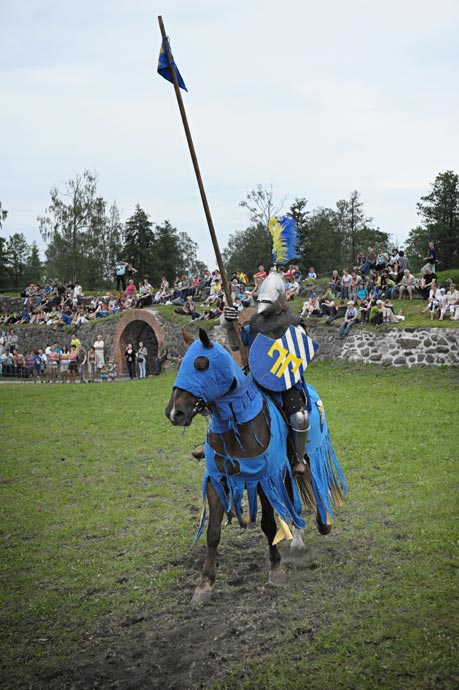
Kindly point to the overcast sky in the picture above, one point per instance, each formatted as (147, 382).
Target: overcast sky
(315, 99)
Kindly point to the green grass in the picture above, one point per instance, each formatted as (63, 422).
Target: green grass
(99, 501)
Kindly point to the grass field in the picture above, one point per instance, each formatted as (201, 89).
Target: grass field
(99, 504)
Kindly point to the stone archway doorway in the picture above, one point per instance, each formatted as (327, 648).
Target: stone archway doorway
(137, 326)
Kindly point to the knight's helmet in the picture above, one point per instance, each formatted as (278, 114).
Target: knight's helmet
(271, 296)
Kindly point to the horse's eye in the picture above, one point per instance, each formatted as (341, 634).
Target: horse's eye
(201, 363)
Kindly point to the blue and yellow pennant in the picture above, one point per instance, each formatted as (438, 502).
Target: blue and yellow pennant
(164, 68)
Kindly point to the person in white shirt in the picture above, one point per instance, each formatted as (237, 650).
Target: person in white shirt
(450, 302)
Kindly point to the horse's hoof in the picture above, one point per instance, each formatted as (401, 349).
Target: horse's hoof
(323, 529)
(297, 548)
(201, 597)
(277, 577)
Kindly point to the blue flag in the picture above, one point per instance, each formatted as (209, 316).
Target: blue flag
(164, 67)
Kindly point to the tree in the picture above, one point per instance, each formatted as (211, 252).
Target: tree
(261, 206)
(139, 248)
(75, 230)
(3, 214)
(356, 229)
(34, 269)
(440, 213)
(17, 256)
(169, 260)
(188, 249)
(247, 249)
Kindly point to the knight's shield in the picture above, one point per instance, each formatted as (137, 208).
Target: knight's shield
(278, 364)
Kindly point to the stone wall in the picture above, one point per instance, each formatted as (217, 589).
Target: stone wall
(389, 346)
(398, 347)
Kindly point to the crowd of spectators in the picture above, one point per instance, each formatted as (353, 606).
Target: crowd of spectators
(68, 363)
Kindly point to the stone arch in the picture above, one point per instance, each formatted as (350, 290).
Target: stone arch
(137, 325)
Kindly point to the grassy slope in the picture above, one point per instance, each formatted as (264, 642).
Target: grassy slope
(99, 502)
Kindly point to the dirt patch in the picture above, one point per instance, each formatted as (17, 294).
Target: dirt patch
(186, 647)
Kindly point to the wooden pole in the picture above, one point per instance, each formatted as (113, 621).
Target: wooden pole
(202, 191)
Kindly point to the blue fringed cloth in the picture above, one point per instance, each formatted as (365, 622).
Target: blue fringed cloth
(269, 470)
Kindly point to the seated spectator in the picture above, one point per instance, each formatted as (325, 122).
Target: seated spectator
(382, 259)
(407, 284)
(311, 307)
(351, 317)
(259, 276)
(292, 288)
(387, 284)
(364, 310)
(376, 313)
(393, 261)
(327, 304)
(145, 296)
(370, 262)
(131, 289)
(424, 282)
(189, 309)
(450, 302)
(340, 311)
(346, 280)
(335, 283)
(311, 276)
(359, 261)
(436, 296)
(354, 285)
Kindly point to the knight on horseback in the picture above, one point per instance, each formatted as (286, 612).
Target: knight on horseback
(272, 320)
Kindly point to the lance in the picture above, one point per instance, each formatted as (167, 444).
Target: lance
(202, 191)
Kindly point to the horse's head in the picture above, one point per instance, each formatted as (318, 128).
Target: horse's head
(206, 374)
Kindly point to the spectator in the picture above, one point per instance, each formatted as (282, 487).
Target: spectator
(292, 288)
(145, 296)
(339, 312)
(376, 313)
(351, 317)
(370, 262)
(335, 283)
(327, 304)
(408, 283)
(424, 283)
(364, 310)
(82, 362)
(99, 347)
(130, 356)
(436, 295)
(346, 280)
(64, 363)
(450, 302)
(311, 307)
(131, 290)
(431, 258)
(121, 272)
(158, 360)
(382, 259)
(92, 365)
(259, 276)
(73, 363)
(141, 355)
(52, 363)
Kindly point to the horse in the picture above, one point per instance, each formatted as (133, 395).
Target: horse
(247, 452)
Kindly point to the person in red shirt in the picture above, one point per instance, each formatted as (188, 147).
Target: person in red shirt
(259, 276)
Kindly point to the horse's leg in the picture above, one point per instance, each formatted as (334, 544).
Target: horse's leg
(297, 546)
(277, 574)
(203, 591)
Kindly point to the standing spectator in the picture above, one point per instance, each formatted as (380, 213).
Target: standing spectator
(158, 359)
(130, 356)
(431, 258)
(142, 353)
(99, 347)
(64, 363)
(82, 361)
(121, 272)
(92, 368)
(350, 318)
(53, 363)
(73, 363)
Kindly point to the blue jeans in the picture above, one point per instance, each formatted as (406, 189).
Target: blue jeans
(346, 327)
(142, 368)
